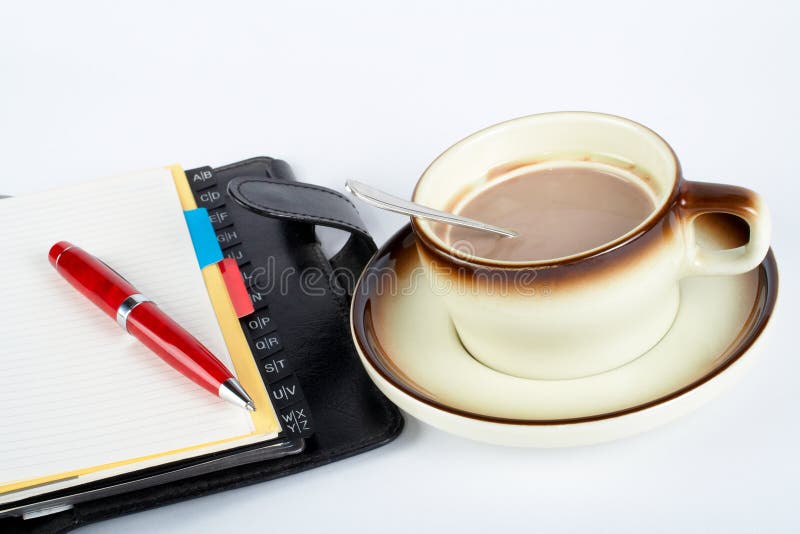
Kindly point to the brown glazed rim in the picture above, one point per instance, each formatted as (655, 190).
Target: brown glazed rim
(646, 225)
(763, 306)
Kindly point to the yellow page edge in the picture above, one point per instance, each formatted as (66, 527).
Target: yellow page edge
(264, 418)
(265, 421)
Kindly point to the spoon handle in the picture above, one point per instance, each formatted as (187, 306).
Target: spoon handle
(382, 200)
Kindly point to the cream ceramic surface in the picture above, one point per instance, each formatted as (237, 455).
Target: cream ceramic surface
(411, 350)
(594, 311)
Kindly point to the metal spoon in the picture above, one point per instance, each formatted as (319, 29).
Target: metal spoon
(385, 201)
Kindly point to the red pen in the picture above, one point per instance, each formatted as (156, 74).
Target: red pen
(141, 318)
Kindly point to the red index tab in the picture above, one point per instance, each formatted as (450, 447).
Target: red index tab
(234, 282)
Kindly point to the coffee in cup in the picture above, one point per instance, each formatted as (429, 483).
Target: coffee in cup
(557, 209)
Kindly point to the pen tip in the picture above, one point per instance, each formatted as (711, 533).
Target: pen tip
(232, 391)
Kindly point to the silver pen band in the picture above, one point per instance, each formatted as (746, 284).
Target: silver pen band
(127, 307)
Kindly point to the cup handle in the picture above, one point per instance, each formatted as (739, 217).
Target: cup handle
(698, 198)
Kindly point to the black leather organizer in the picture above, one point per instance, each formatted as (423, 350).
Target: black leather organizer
(299, 334)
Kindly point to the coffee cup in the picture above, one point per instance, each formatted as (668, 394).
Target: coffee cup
(592, 310)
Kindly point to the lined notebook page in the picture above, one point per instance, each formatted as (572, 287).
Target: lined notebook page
(76, 391)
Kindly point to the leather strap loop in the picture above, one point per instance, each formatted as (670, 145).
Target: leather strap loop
(310, 204)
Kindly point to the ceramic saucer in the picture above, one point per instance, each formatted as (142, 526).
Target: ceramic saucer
(411, 351)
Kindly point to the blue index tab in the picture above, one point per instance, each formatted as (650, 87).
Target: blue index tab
(206, 247)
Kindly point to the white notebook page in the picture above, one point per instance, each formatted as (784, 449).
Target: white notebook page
(76, 391)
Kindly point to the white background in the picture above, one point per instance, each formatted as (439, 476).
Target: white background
(375, 91)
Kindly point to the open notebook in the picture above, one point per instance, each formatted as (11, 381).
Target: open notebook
(81, 400)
